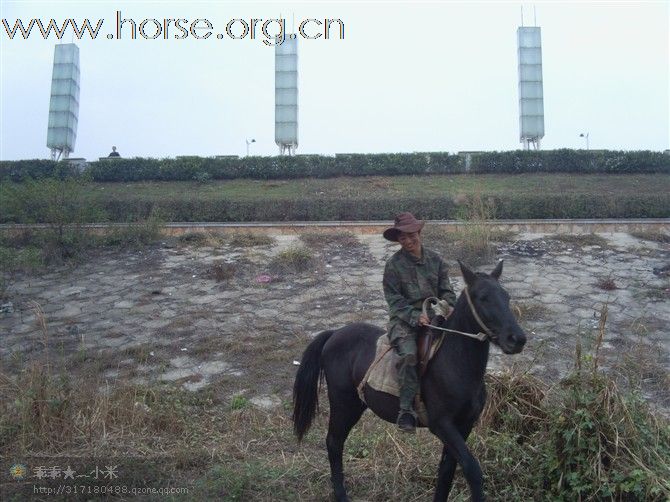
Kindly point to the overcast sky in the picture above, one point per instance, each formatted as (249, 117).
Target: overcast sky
(408, 76)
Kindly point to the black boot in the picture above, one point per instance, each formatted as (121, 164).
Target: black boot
(407, 421)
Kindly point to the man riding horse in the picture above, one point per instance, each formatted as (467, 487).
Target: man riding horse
(411, 275)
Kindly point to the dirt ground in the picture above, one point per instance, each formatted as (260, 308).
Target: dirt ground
(234, 314)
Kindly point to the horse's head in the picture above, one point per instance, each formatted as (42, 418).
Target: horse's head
(491, 304)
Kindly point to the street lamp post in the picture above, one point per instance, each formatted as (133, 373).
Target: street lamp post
(249, 141)
(586, 136)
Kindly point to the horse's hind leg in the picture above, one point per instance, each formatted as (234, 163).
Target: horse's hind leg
(345, 411)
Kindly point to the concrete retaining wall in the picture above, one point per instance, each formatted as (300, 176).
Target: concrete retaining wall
(373, 227)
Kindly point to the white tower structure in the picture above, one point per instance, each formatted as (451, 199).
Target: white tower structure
(64, 103)
(286, 95)
(531, 98)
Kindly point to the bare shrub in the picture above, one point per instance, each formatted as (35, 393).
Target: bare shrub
(61, 204)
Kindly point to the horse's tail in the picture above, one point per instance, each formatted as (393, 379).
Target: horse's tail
(306, 385)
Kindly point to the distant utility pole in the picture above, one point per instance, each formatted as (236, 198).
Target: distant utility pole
(249, 141)
(585, 136)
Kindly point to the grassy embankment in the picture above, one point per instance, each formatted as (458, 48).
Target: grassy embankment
(539, 195)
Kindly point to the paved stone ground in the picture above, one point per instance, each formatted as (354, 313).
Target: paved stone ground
(205, 316)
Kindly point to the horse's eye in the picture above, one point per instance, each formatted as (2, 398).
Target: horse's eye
(484, 298)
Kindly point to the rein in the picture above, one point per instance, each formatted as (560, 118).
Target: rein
(440, 306)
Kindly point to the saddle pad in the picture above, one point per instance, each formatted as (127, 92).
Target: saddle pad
(382, 376)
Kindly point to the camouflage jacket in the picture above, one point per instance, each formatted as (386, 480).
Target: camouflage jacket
(408, 281)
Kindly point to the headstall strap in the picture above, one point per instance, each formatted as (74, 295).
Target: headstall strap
(439, 306)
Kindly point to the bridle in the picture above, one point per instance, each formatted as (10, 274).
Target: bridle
(441, 307)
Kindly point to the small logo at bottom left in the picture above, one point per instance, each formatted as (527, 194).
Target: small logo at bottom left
(18, 471)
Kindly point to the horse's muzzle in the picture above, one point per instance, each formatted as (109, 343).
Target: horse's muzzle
(513, 344)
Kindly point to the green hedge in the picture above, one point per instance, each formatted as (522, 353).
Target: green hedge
(571, 161)
(313, 208)
(317, 166)
(19, 170)
(513, 206)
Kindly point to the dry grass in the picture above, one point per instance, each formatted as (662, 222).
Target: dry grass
(380, 183)
(529, 311)
(317, 240)
(648, 235)
(248, 239)
(204, 346)
(580, 240)
(201, 239)
(221, 271)
(606, 283)
(139, 353)
(501, 236)
(472, 243)
(513, 396)
(292, 260)
(640, 361)
(572, 441)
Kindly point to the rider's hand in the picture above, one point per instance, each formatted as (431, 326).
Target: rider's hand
(423, 320)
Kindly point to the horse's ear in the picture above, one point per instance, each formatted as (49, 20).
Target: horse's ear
(468, 275)
(497, 271)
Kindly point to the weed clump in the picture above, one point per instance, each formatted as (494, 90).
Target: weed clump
(135, 234)
(583, 439)
(247, 239)
(14, 260)
(239, 402)
(316, 240)
(221, 271)
(529, 311)
(647, 235)
(292, 260)
(471, 242)
(607, 283)
(580, 240)
(193, 238)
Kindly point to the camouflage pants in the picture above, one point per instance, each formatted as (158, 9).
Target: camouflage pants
(403, 339)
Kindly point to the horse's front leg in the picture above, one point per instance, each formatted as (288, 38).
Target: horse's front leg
(447, 466)
(455, 450)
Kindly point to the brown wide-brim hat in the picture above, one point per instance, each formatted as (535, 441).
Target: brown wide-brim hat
(404, 222)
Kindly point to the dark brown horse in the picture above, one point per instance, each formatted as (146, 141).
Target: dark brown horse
(452, 388)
